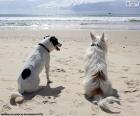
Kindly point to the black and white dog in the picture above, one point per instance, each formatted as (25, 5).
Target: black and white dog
(29, 80)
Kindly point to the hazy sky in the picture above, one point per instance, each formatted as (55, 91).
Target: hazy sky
(61, 6)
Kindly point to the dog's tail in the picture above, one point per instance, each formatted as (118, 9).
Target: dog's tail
(16, 97)
(104, 104)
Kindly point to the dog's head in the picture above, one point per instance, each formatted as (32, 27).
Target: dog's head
(99, 41)
(55, 43)
(51, 42)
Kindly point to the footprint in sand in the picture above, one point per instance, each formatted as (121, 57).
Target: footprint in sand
(38, 99)
(4, 107)
(51, 112)
(82, 76)
(27, 106)
(132, 83)
(123, 77)
(64, 61)
(51, 100)
(44, 100)
(80, 71)
(131, 91)
(133, 86)
(125, 68)
(58, 70)
(29, 109)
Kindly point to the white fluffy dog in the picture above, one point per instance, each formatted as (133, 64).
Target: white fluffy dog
(29, 80)
(96, 83)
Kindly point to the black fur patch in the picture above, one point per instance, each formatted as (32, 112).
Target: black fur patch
(26, 73)
(54, 40)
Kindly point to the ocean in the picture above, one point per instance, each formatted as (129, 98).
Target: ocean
(69, 22)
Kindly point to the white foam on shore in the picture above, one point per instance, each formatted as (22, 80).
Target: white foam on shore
(81, 22)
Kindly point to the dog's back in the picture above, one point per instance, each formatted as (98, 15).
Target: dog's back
(29, 77)
(95, 62)
(96, 83)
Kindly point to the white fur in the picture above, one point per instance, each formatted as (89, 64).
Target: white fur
(96, 61)
(39, 58)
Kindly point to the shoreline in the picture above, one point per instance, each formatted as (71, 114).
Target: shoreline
(60, 29)
(78, 27)
(83, 22)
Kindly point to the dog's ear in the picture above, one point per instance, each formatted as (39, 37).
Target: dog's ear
(46, 36)
(92, 36)
(102, 37)
(52, 39)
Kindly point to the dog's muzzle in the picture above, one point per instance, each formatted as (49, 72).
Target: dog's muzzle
(57, 47)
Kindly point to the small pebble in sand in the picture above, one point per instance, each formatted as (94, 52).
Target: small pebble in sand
(125, 69)
(59, 70)
(49, 97)
(80, 71)
(124, 77)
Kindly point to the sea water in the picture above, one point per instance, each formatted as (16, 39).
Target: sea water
(69, 22)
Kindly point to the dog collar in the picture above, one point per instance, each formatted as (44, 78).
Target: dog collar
(44, 47)
(96, 45)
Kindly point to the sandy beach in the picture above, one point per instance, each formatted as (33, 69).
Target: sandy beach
(65, 96)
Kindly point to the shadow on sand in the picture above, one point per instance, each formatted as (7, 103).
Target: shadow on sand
(44, 91)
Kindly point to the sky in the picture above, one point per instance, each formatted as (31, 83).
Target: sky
(49, 7)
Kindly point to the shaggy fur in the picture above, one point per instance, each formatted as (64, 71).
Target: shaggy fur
(96, 83)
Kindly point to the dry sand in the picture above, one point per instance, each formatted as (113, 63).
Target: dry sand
(65, 95)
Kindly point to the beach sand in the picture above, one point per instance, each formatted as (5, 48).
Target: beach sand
(65, 96)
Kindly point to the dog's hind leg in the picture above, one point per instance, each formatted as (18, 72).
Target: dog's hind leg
(36, 86)
(107, 89)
